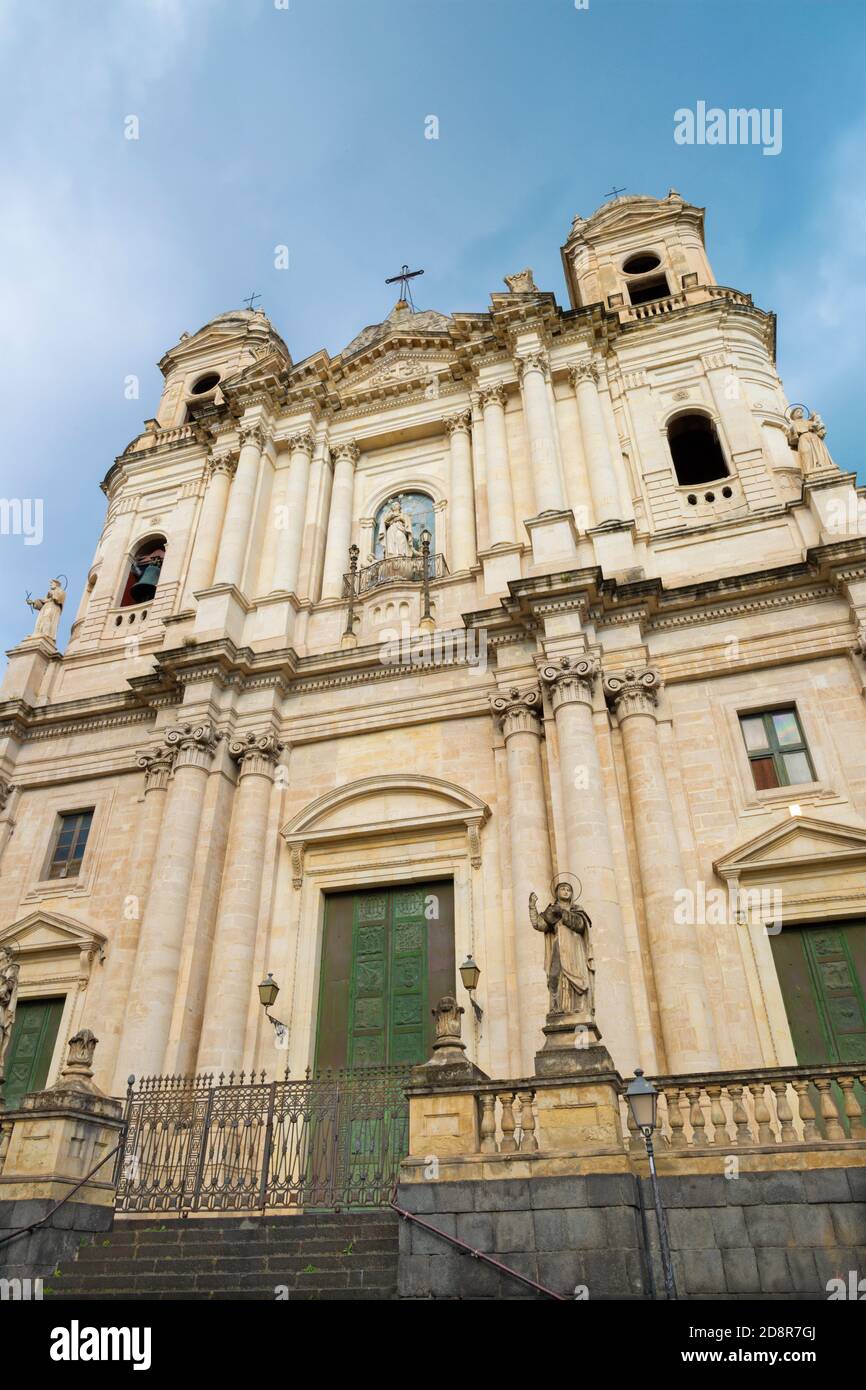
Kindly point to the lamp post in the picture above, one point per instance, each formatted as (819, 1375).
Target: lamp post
(268, 991)
(470, 974)
(426, 538)
(353, 579)
(643, 1098)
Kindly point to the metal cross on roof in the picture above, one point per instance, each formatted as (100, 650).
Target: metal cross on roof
(615, 192)
(250, 300)
(404, 277)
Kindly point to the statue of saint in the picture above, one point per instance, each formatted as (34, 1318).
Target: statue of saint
(806, 434)
(48, 609)
(9, 969)
(395, 531)
(568, 957)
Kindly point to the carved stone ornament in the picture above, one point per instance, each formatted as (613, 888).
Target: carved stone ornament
(195, 742)
(252, 434)
(634, 692)
(583, 371)
(447, 1017)
(301, 443)
(533, 362)
(157, 763)
(570, 680)
(461, 421)
(256, 752)
(347, 451)
(496, 395)
(518, 712)
(522, 283)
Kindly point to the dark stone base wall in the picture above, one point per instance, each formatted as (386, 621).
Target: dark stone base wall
(762, 1235)
(35, 1255)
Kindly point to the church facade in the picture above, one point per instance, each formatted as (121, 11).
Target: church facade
(375, 646)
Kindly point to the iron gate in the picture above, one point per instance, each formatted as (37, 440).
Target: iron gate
(331, 1141)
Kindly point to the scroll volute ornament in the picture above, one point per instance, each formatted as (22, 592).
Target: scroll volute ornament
(518, 712)
(634, 692)
(570, 679)
(256, 751)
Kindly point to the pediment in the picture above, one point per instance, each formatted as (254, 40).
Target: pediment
(799, 842)
(398, 369)
(373, 803)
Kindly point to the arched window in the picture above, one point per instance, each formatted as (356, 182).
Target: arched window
(399, 523)
(696, 451)
(144, 572)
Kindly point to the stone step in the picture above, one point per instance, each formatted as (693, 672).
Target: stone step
(357, 1249)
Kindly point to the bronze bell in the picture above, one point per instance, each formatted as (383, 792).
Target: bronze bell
(144, 587)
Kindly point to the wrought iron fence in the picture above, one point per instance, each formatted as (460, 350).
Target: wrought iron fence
(332, 1141)
(395, 569)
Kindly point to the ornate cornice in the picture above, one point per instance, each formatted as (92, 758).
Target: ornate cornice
(257, 753)
(518, 713)
(634, 692)
(570, 680)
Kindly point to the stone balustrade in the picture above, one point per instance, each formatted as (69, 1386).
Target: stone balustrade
(507, 1121)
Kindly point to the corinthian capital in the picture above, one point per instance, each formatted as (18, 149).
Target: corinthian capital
(302, 442)
(256, 752)
(583, 371)
(495, 395)
(517, 713)
(252, 433)
(462, 421)
(194, 743)
(157, 763)
(347, 450)
(634, 692)
(224, 462)
(536, 361)
(570, 680)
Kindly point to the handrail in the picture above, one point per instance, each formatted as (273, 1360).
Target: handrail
(34, 1225)
(466, 1249)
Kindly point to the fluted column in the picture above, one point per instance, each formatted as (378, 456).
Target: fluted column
(500, 498)
(463, 548)
(599, 465)
(519, 719)
(340, 519)
(533, 370)
(681, 990)
(290, 537)
(230, 980)
(157, 961)
(239, 514)
(220, 471)
(589, 850)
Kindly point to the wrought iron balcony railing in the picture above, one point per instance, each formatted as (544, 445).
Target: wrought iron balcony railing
(395, 569)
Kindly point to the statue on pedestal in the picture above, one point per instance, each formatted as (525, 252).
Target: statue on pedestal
(395, 531)
(806, 435)
(568, 957)
(48, 610)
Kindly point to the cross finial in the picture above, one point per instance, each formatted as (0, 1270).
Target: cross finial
(615, 192)
(250, 300)
(404, 277)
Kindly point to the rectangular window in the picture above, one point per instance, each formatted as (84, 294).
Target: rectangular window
(777, 749)
(69, 845)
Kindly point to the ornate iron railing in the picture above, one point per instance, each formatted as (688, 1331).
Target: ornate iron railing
(395, 569)
(332, 1141)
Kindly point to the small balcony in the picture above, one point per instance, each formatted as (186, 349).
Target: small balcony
(394, 569)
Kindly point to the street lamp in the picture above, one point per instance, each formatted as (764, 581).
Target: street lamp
(426, 538)
(268, 991)
(354, 552)
(643, 1099)
(470, 974)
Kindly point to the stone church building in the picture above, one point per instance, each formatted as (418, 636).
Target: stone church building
(375, 645)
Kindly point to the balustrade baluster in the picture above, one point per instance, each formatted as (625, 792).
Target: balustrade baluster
(509, 1143)
(785, 1114)
(636, 1141)
(717, 1115)
(741, 1119)
(807, 1111)
(675, 1117)
(488, 1123)
(762, 1113)
(696, 1116)
(833, 1128)
(852, 1107)
(528, 1141)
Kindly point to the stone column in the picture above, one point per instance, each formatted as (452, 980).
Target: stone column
(519, 719)
(220, 470)
(533, 370)
(239, 516)
(463, 552)
(157, 763)
(230, 979)
(290, 536)
(340, 520)
(157, 961)
(589, 850)
(500, 499)
(602, 478)
(681, 990)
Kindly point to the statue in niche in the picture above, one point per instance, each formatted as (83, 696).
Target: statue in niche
(9, 969)
(568, 956)
(806, 435)
(48, 610)
(395, 531)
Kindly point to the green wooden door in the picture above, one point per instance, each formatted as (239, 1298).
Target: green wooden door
(387, 956)
(31, 1046)
(822, 972)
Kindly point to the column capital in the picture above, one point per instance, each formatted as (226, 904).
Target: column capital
(195, 743)
(256, 752)
(570, 680)
(492, 395)
(583, 371)
(518, 713)
(226, 461)
(534, 361)
(633, 692)
(302, 442)
(252, 433)
(157, 762)
(347, 451)
(459, 423)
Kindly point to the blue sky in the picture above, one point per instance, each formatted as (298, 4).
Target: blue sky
(305, 126)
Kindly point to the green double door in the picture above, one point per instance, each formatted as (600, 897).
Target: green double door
(822, 972)
(34, 1033)
(387, 957)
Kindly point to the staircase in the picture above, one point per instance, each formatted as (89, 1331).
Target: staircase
(309, 1256)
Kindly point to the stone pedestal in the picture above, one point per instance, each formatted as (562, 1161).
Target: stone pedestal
(554, 539)
(28, 665)
(572, 1048)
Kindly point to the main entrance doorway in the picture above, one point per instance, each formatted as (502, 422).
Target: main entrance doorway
(387, 956)
(31, 1047)
(822, 972)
